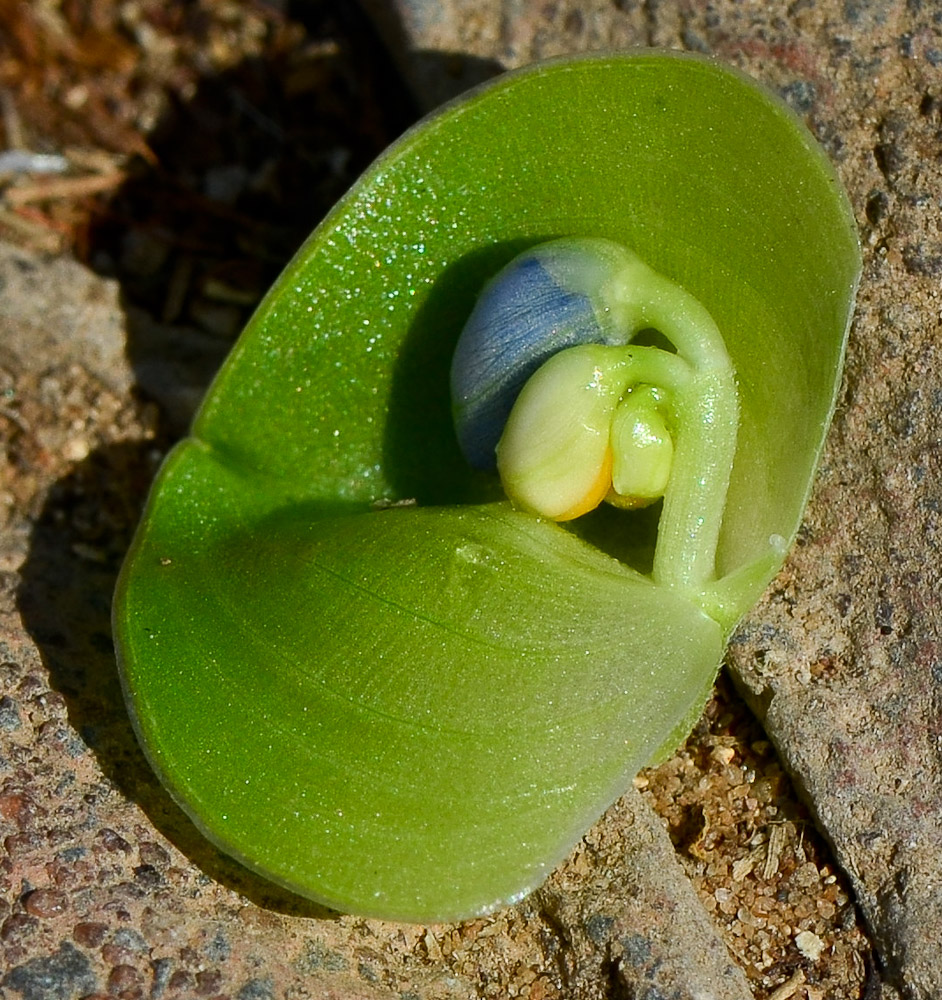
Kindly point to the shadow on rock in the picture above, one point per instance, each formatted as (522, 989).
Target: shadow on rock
(245, 164)
(433, 76)
(242, 171)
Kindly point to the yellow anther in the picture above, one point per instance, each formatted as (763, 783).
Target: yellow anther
(596, 494)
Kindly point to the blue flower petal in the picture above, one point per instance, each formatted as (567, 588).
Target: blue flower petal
(521, 319)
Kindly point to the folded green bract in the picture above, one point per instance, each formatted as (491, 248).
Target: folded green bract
(416, 712)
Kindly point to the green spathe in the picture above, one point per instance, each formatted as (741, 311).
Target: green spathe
(415, 713)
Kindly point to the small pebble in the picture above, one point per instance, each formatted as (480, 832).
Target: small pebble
(22, 843)
(180, 980)
(18, 808)
(154, 855)
(9, 714)
(46, 902)
(123, 978)
(117, 956)
(16, 927)
(89, 934)
(810, 945)
(114, 842)
(208, 982)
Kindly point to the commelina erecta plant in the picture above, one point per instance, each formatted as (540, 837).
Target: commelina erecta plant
(464, 523)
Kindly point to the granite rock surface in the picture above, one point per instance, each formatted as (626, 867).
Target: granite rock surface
(107, 888)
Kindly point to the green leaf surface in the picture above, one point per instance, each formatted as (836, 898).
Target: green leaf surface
(362, 714)
(416, 712)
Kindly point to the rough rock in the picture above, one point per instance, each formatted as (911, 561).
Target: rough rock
(637, 921)
(55, 308)
(841, 660)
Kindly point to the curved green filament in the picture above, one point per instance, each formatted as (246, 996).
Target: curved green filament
(645, 299)
(707, 417)
(706, 420)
